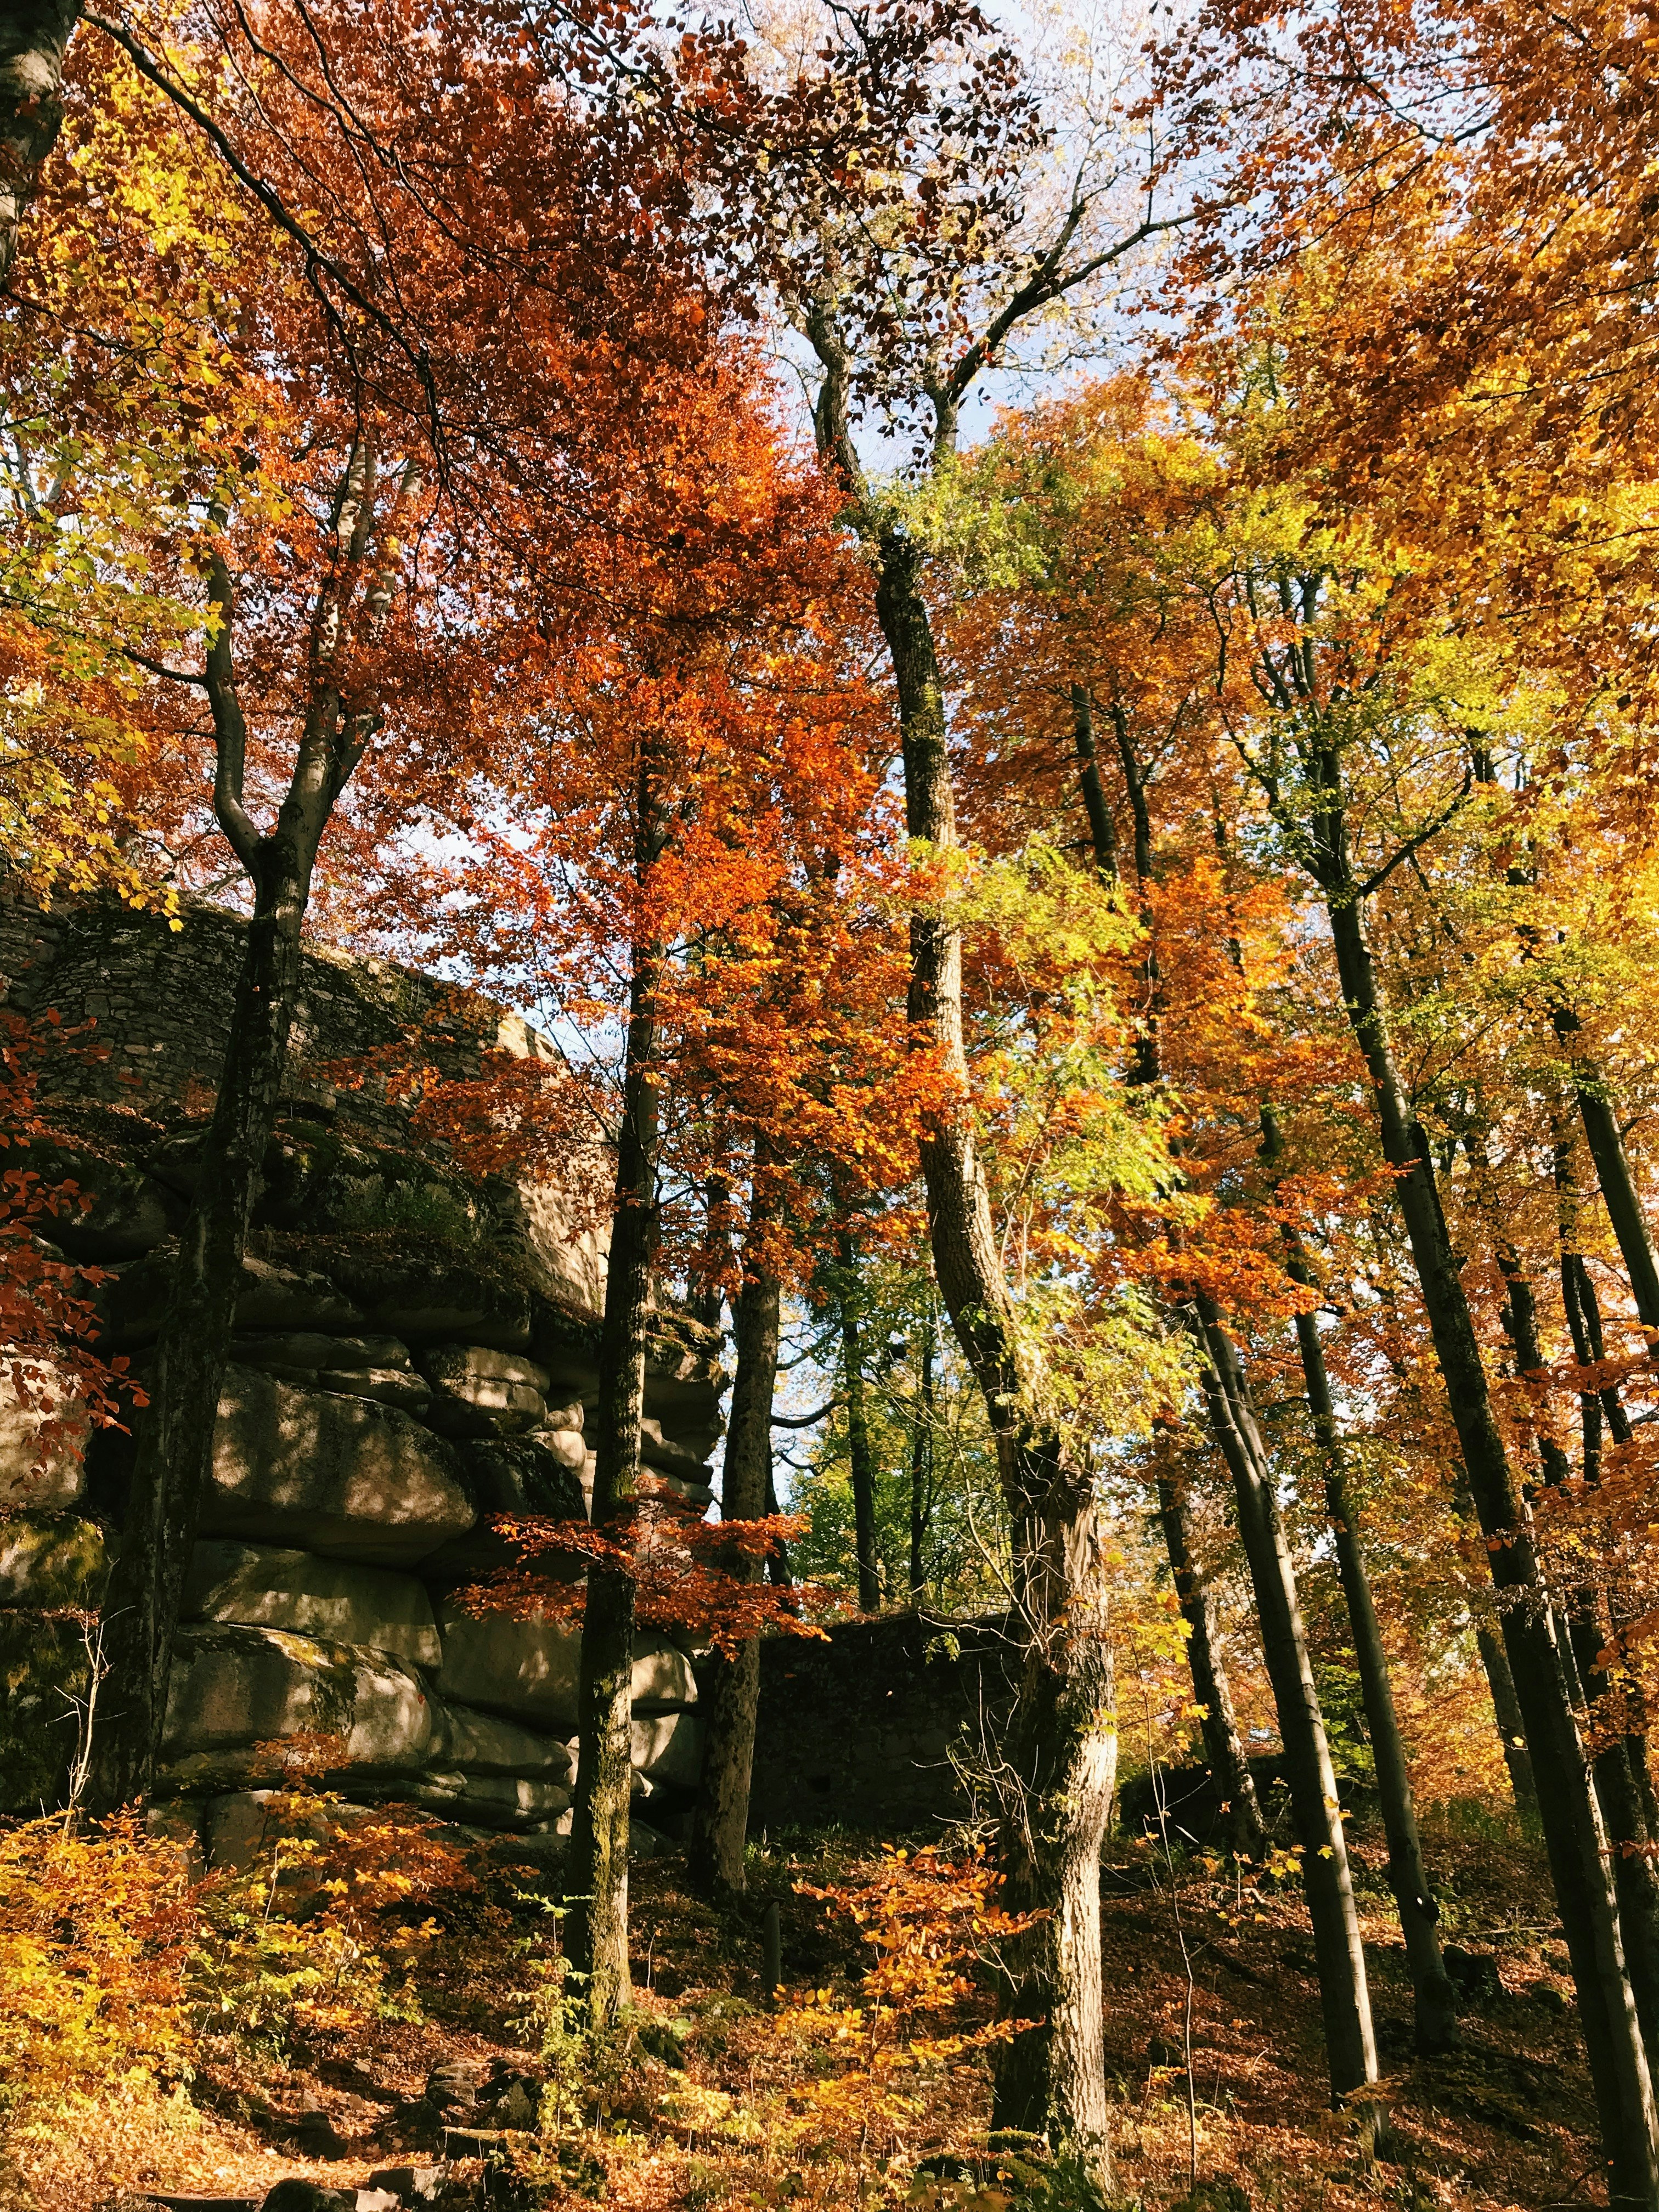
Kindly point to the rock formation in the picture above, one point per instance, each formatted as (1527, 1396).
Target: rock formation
(413, 1356)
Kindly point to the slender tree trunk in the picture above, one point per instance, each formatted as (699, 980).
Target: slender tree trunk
(777, 1564)
(719, 1825)
(922, 1471)
(34, 36)
(1213, 1692)
(1433, 2001)
(860, 1458)
(1612, 1171)
(1224, 1748)
(1102, 831)
(1059, 1748)
(174, 1452)
(596, 1880)
(1343, 1995)
(1622, 1809)
(1574, 1834)
(174, 1438)
(1596, 1407)
(1506, 1709)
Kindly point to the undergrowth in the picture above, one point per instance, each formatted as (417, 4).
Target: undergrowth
(165, 2027)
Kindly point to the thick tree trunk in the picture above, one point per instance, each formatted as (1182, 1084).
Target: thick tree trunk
(1060, 1749)
(174, 1438)
(719, 1825)
(34, 36)
(1224, 1748)
(1343, 1995)
(860, 1458)
(596, 1878)
(1574, 1834)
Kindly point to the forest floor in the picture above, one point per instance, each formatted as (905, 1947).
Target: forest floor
(714, 2099)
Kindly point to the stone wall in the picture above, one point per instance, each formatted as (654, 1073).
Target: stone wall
(412, 1355)
(864, 1731)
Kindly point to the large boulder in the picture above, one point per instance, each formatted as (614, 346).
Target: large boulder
(51, 1561)
(492, 1801)
(346, 1477)
(128, 1213)
(485, 1743)
(427, 1294)
(235, 1687)
(308, 1351)
(514, 1475)
(526, 1669)
(262, 1585)
(663, 1679)
(667, 1748)
(530, 1667)
(481, 1390)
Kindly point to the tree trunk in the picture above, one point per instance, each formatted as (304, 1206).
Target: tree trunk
(1434, 2004)
(1059, 1748)
(719, 1825)
(34, 36)
(1344, 1996)
(1622, 1809)
(859, 1457)
(596, 1880)
(1211, 1692)
(1103, 832)
(922, 1471)
(1613, 1172)
(174, 1437)
(1224, 1748)
(1506, 1710)
(1574, 1835)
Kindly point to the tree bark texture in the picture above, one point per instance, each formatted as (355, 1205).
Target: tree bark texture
(860, 1460)
(596, 1880)
(1224, 1748)
(1575, 1837)
(1343, 1995)
(1058, 1756)
(731, 1700)
(34, 37)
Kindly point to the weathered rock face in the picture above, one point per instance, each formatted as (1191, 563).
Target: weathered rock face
(270, 1588)
(233, 1687)
(526, 1669)
(413, 1356)
(353, 1480)
(54, 1561)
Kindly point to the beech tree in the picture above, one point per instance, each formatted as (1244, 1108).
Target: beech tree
(351, 611)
